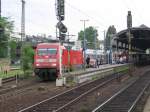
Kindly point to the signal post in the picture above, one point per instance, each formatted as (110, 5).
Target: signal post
(60, 13)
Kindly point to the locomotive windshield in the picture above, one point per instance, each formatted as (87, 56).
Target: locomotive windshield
(47, 51)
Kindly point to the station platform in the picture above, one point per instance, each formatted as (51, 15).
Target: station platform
(82, 75)
(101, 67)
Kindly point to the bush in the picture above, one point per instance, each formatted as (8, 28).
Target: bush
(27, 58)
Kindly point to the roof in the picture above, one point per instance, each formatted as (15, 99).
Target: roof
(140, 37)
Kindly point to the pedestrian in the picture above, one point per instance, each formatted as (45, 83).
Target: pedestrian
(88, 61)
(121, 60)
(97, 62)
(101, 61)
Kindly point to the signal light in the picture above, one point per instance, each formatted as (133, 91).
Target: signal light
(61, 27)
(60, 9)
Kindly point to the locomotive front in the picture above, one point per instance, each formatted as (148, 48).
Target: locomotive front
(46, 61)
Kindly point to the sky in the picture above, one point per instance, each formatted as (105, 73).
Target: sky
(41, 15)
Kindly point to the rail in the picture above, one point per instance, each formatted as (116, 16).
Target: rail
(61, 101)
(9, 79)
(126, 99)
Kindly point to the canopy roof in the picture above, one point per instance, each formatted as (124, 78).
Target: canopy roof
(140, 37)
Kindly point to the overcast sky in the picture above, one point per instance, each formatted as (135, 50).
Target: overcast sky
(41, 17)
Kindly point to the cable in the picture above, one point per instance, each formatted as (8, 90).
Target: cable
(80, 11)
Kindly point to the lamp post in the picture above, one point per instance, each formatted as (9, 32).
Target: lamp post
(110, 49)
(129, 25)
(84, 45)
(22, 21)
(0, 8)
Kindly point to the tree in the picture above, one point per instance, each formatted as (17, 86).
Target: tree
(90, 34)
(27, 58)
(109, 35)
(13, 46)
(6, 28)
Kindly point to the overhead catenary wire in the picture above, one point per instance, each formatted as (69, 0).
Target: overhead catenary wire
(88, 16)
(82, 12)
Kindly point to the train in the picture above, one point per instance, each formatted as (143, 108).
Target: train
(52, 58)
(96, 54)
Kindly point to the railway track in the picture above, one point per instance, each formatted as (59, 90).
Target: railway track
(61, 101)
(14, 87)
(9, 79)
(127, 98)
(9, 93)
(7, 88)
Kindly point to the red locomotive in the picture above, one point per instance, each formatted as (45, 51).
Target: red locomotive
(47, 60)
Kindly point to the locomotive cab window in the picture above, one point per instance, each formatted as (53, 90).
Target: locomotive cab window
(52, 51)
(49, 51)
(42, 52)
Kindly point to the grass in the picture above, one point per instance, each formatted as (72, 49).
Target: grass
(121, 69)
(11, 73)
(19, 72)
(5, 62)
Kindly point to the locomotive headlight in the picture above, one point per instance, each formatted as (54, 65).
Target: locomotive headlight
(37, 64)
(54, 64)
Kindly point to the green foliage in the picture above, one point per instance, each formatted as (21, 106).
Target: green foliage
(13, 46)
(27, 57)
(109, 35)
(11, 73)
(121, 69)
(6, 27)
(90, 34)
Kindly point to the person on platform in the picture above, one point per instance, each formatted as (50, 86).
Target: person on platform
(88, 61)
(97, 62)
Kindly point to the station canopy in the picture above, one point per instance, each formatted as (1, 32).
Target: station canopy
(140, 37)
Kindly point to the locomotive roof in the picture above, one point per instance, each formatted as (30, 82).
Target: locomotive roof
(47, 44)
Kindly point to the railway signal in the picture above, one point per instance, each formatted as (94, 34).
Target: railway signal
(61, 10)
(62, 36)
(62, 28)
